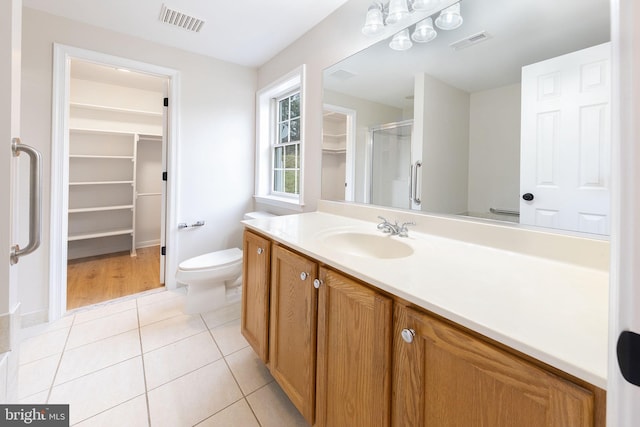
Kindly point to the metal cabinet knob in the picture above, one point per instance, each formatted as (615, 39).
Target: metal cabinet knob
(260, 250)
(317, 283)
(303, 276)
(408, 335)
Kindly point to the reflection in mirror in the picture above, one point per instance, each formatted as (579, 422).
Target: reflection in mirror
(521, 111)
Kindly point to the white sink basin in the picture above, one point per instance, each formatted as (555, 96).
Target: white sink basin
(367, 245)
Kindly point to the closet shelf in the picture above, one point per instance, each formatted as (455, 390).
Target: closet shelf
(148, 194)
(114, 109)
(100, 183)
(334, 150)
(86, 236)
(101, 209)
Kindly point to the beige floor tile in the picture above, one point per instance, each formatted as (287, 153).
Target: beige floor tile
(36, 399)
(194, 397)
(103, 310)
(274, 409)
(179, 358)
(222, 315)
(161, 310)
(98, 355)
(248, 370)
(32, 331)
(95, 393)
(238, 414)
(156, 297)
(169, 331)
(43, 345)
(101, 328)
(37, 376)
(132, 413)
(229, 338)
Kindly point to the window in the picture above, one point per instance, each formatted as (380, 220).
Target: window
(280, 142)
(286, 147)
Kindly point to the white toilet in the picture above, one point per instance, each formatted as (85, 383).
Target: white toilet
(213, 279)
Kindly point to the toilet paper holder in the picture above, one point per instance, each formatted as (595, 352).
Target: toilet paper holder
(184, 225)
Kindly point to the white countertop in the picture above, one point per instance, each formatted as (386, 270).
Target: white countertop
(553, 311)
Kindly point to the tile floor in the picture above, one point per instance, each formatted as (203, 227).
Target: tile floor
(140, 361)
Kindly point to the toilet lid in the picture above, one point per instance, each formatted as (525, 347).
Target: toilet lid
(212, 259)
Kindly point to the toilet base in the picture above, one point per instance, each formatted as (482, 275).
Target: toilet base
(201, 299)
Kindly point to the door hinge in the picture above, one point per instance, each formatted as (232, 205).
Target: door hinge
(166, 102)
(163, 250)
(164, 176)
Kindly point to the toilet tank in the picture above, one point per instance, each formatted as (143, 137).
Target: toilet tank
(257, 215)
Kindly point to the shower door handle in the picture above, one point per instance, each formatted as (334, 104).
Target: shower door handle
(414, 182)
(35, 199)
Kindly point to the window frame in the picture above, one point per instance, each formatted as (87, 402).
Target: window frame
(276, 143)
(267, 118)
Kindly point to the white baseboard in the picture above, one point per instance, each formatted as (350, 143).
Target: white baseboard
(34, 318)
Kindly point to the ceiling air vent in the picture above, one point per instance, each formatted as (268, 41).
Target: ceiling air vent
(471, 40)
(342, 74)
(179, 19)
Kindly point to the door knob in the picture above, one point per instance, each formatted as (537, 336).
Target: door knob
(303, 276)
(317, 283)
(408, 335)
(260, 250)
(527, 196)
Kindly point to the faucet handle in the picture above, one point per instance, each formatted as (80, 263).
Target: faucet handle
(383, 224)
(404, 230)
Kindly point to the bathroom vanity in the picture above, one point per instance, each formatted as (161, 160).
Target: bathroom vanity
(362, 328)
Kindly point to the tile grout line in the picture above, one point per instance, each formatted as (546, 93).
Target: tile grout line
(64, 348)
(144, 373)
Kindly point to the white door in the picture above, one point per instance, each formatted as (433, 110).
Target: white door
(623, 385)
(566, 142)
(10, 29)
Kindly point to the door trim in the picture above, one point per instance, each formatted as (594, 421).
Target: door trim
(62, 55)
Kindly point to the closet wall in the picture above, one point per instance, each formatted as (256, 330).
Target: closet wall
(115, 160)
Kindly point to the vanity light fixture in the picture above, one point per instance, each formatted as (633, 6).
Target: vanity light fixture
(374, 22)
(401, 41)
(449, 18)
(380, 14)
(424, 31)
(398, 10)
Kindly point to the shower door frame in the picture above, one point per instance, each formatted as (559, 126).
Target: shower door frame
(368, 184)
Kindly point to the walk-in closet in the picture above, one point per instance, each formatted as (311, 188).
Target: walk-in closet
(115, 186)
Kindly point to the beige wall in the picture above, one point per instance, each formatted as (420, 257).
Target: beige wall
(216, 137)
(494, 149)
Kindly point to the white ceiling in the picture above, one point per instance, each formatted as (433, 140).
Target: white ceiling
(246, 32)
(522, 32)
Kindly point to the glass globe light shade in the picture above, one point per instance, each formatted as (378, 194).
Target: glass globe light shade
(398, 10)
(449, 18)
(401, 41)
(373, 23)
(423, 4)
(424, 31)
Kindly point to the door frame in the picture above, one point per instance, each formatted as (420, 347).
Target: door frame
(62, 56)
(350, 160)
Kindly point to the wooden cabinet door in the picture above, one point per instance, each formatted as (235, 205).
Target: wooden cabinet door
(292, 356)
(255, 292)
(354, 353)
(446, 377)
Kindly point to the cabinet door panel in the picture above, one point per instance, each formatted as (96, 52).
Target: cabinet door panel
(446, 377)
(292, 355)
(354, 353)
(255, 293)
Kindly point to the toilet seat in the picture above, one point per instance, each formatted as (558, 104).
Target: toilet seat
(211, 260)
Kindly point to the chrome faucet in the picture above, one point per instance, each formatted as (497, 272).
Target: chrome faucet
(394, 229)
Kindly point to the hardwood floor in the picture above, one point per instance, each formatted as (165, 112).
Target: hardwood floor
(101, 278)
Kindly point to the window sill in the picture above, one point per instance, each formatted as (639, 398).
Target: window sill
(281, 202)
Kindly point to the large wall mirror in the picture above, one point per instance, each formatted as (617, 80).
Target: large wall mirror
(506, 117)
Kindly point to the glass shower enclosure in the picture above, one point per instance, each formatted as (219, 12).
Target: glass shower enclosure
(391, 164)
